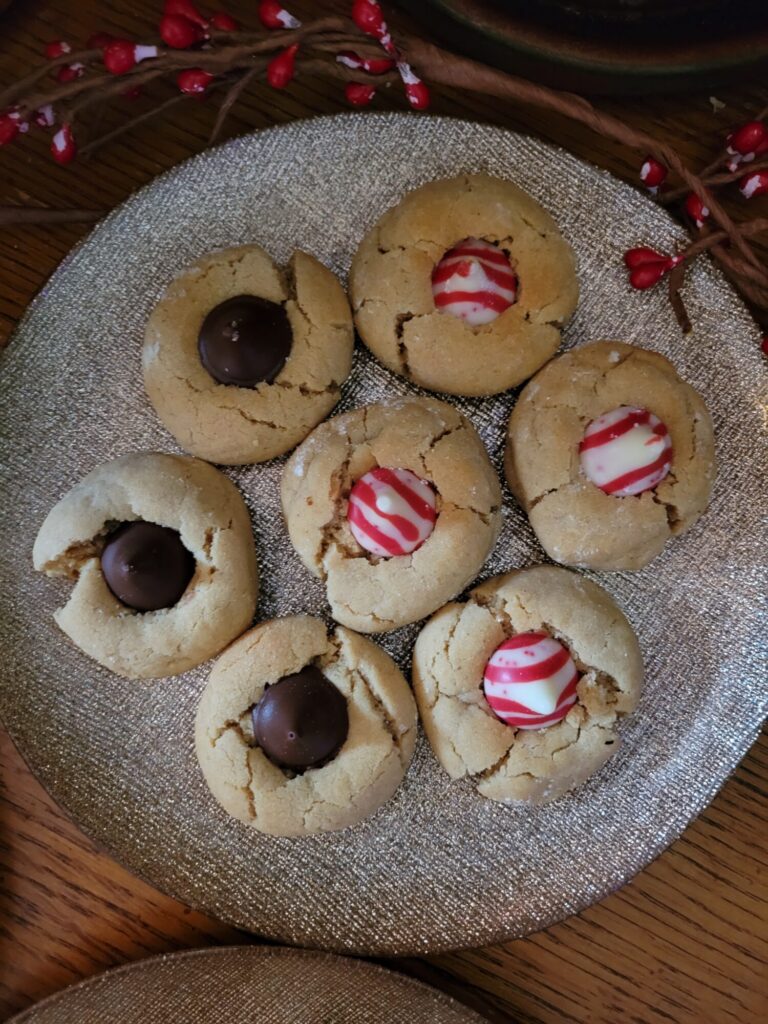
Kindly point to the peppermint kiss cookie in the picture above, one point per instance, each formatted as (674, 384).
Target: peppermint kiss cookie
(463, 287)
(395, 506)
(300, 732)
(162, 555)
(242, 358)
(522, 686)
(610, 454)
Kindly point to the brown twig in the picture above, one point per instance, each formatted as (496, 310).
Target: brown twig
(126, 126)
(23, 215)
(676, 278)
(246, 54)
(231, 97)
(9, 95)
(214, 60)
(713, 181)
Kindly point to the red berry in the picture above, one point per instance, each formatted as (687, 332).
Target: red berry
(418, 95)
(186, 9)
(99, 40)
(179, 32)
(281, 68)
(378, 65)
(647, 267)
(373, 65)
(754, 184)
(368, 17)
(746, 139)
(746, 143)
(359, 94)
(69, 72)
(764, 345)
(273, 15)
(415, 90)
(193, 81)
(58, 48)
(63, 148)
(696, 209)
(647, 275)
(224, 22)
(9, 129)
(119, 56)
(652, 173)
(642, 255)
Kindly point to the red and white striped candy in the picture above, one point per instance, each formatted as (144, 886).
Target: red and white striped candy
(530, 681)
(626, 451)
(391, 511)
(474, 282)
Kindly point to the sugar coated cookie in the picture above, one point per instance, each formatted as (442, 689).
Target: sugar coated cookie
(299, 731)
(464, 286)
(242, 358)
(161, 551)
(610, 453)
(395, 506)
(521, 687)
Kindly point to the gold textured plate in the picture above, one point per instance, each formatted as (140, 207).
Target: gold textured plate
(438, 866)
(249, 985)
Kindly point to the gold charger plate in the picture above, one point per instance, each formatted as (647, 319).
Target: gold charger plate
(250, 985)
(437, 867)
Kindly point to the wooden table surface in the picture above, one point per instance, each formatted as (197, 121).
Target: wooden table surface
(686, 941)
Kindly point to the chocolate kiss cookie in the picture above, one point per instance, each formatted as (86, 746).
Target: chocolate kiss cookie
(172, 584)
(395, 506)
(242, 358)
(299, 731)
(611, 454)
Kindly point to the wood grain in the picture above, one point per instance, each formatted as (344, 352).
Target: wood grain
(686, 941)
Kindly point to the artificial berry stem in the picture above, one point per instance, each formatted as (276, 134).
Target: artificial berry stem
(712, 181)
(203, 52)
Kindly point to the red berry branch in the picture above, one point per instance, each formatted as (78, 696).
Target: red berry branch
(202, 54)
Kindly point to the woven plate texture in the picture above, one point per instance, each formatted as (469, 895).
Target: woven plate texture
(438, 866)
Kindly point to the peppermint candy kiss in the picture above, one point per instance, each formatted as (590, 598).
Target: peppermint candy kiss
(391, 511)
(626, 451)
(474, 282)
(653, 174)
(530, 681)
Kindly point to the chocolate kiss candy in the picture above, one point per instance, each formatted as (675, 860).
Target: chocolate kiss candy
(302, 720)
(245, 341)
(146, 566)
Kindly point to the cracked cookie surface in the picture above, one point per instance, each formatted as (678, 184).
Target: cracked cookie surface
(391, 287)
(235, 425)
(449, 659)
(364, 773)
(175, 491)
(575, 521)
(431, 439)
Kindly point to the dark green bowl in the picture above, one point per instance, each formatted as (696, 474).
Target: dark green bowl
(609, 46)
